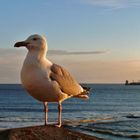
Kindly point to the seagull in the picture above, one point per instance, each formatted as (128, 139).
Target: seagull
(45, 80)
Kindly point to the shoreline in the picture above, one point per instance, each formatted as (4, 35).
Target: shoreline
(44, 133)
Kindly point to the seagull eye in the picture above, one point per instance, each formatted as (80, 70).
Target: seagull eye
(35, 39)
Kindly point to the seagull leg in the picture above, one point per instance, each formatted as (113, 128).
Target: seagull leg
(46, 112)
(59, 114)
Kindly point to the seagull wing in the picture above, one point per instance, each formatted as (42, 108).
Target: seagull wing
(66, 82)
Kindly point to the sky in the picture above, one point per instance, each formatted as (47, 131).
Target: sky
(98, 41)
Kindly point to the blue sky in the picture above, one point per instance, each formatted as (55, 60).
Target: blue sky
(111, 27)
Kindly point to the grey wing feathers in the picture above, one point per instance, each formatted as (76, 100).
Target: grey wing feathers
(66, 82)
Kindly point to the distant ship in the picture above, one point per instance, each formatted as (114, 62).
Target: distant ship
(131, 83)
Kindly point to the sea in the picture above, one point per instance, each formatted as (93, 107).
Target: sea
(112, 111)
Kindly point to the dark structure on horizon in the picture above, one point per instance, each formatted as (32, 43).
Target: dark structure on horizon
(131, 83)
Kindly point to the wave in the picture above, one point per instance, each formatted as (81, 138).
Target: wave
(110, 132)
(103, 132)
(119, 126)
(118, 134)
(132, 116)
(20, 110)
(20, 119)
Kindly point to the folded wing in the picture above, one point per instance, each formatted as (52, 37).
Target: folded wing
(66, 82)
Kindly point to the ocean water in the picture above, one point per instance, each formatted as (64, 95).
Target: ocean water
(112, 111)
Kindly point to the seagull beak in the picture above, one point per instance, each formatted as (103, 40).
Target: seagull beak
(22, 43)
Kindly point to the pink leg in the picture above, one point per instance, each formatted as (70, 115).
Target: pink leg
(59, 114)
(46, 112)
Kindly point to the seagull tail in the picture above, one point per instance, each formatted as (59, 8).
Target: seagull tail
(86, 89)
(84, 95)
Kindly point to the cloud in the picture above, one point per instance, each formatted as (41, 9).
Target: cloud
(63, 52)
(113, 4)
(106, 3)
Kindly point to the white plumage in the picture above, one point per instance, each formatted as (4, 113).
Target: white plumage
(44, 80)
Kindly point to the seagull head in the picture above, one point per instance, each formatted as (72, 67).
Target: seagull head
(33, 43)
